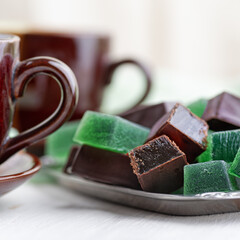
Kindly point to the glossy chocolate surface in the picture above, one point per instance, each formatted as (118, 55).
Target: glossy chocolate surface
(187, 130)
(101, 166)
(158, 165)
(223, 112)
(148, 115)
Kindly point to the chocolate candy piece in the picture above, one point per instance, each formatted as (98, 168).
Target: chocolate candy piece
(158, 165)
(101, 166)
(187, 130)
(198, 107)
(58, 144)
(223, 112)
(207, 177)
(148, 115)
(109, 132)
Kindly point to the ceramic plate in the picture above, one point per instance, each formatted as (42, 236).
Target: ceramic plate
(203, 204)
(16, 170)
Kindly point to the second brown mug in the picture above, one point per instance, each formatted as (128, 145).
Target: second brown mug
(88, 57)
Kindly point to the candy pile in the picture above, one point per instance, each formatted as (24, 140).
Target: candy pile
(159, 148)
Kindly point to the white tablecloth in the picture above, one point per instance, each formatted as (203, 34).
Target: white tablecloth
(51, 212)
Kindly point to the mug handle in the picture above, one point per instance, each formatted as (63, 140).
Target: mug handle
(22, 74)
(113, 66)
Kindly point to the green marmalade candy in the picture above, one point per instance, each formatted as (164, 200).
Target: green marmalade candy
(221, 145)
(110, 132)
(225, 145)
(207, 177)
(59, 143)
(235, 166)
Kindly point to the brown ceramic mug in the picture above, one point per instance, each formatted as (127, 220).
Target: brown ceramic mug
(14, 77)
(88, 57)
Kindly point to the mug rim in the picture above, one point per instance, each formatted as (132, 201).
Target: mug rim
(5, 37)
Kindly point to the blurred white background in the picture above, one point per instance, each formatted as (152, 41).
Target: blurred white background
(190, 45)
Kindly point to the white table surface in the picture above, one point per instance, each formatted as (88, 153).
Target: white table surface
(36, 211)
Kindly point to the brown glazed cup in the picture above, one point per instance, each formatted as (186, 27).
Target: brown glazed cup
(87, 55)
(14, 77)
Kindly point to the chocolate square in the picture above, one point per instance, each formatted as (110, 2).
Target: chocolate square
(158, 165)
(183, 127)
(223, 112)
(101, 166)
(148, 115)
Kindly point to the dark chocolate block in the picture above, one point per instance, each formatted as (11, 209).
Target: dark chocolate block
(158, 165)
(187, 130)
(101, 166)
(223, 112)
(148, 115)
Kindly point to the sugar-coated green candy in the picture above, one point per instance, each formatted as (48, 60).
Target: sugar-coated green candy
(233, 179)
(198, 106)
(234, 170)
(225, 145)
(221, 145)
(207, 177)
(110, 132)
(58, 144)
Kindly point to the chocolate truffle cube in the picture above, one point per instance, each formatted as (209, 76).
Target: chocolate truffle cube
(148, 115)
(158, 165)
(187, 130)
(223, 112)
(101, 166)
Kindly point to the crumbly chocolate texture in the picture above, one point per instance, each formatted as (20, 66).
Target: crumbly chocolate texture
(158, 165)
(101, 166)
(223, 112)
(148, 115)
(187, 130)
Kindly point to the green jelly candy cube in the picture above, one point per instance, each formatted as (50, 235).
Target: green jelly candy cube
(198, 106)
(233, 179)
(58, 144)
(225, 145)
(110, 132)
(234, 170)
(207, 177)
(207, 154)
